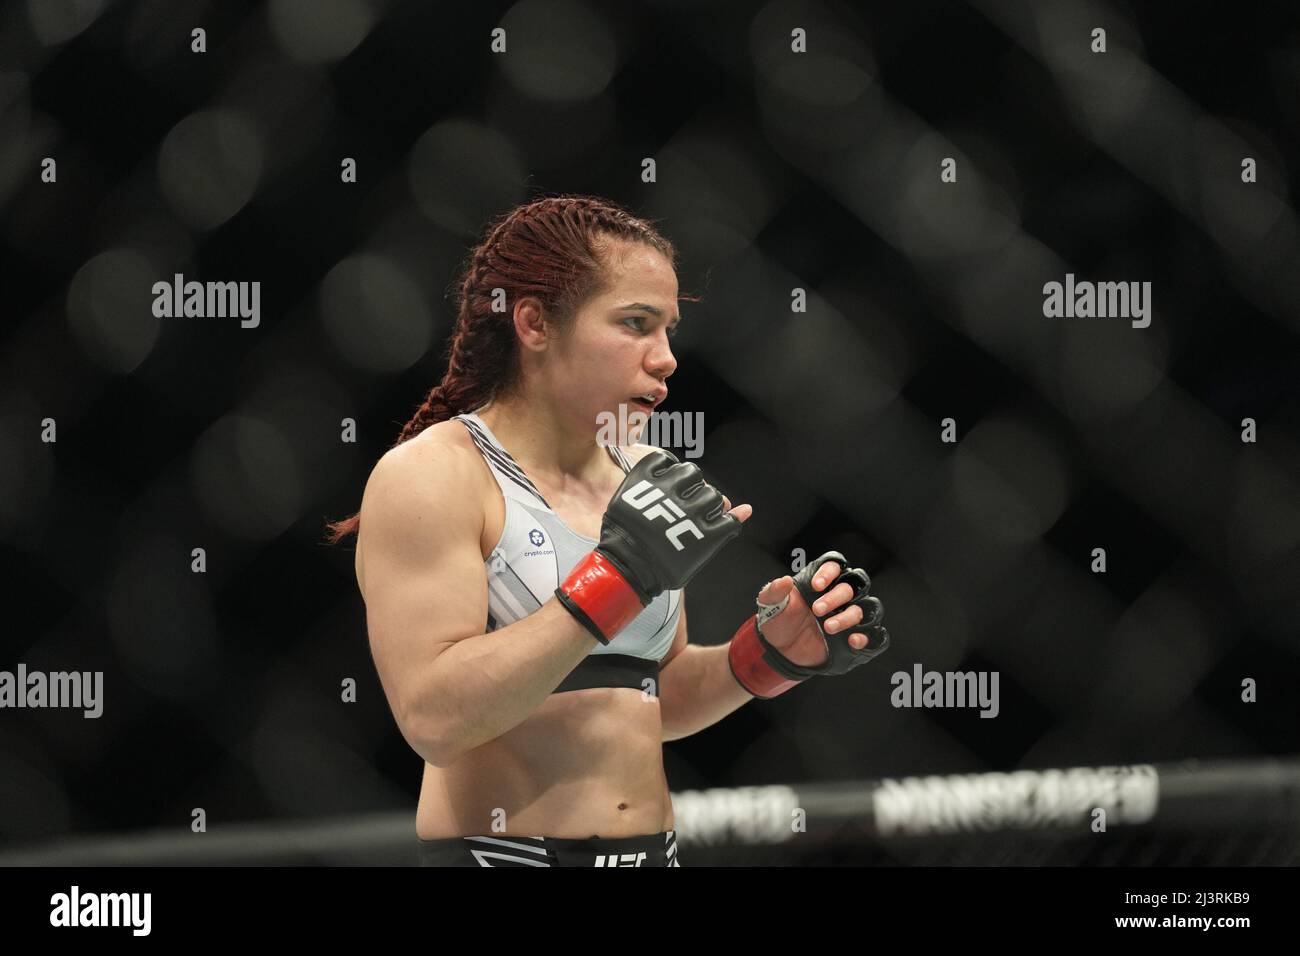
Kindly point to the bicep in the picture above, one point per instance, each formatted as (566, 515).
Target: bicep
(426, 587)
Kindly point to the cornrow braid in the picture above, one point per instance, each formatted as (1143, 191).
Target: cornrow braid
(551, 248)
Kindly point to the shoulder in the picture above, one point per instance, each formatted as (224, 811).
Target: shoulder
(443, 450)
(439, 469)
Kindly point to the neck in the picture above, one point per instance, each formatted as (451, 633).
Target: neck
(543, 441)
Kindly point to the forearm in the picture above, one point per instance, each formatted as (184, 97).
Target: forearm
(697, 689)
(482, 686)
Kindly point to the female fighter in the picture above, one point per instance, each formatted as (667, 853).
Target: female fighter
(523, 582)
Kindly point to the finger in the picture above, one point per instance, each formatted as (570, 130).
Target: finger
(827, 573)
(774, 591)
(845, 620)
(741, 512)
(832, 599)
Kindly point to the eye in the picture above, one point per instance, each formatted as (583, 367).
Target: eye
(672, 331)
(636, 318)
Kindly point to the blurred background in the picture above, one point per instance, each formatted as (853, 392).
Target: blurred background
(775, 171)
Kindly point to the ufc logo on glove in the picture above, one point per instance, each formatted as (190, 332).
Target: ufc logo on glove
(637, 558)
(643, 493)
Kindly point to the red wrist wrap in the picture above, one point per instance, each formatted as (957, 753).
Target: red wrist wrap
(748, 667)
(597, 589)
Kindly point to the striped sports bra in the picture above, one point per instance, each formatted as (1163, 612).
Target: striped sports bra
(536, 552)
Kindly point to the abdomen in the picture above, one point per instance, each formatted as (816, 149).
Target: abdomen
(585, 763)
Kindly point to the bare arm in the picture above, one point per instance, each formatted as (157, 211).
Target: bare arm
(696, 686)
(451, 687)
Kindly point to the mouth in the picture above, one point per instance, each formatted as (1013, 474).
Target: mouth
(645, 403)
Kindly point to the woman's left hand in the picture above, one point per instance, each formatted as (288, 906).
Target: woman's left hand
(794, 632)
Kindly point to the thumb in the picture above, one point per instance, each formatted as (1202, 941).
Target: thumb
(741, 512)
(775, 591)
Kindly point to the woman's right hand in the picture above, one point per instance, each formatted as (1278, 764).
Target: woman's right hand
(663, 524)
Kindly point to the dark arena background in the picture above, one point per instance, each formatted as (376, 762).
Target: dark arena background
(1095, 499)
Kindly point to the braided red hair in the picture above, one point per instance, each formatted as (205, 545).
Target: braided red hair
(550, 249)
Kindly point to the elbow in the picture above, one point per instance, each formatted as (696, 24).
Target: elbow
(434, 741)
(437, 753)
(430, 731)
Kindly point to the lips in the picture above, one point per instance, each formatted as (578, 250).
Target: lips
(649, 400)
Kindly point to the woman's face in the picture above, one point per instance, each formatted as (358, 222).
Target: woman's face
(617, 349)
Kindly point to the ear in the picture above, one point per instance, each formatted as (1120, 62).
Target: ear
(531, 328)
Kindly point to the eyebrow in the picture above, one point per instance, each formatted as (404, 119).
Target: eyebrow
(652, 309)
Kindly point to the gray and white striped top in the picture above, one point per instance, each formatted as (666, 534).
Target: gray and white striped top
(537, 551)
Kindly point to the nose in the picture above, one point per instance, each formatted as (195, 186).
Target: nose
(659, 361)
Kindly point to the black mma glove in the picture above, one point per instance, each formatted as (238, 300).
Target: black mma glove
(662, 525)
(765, 672)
